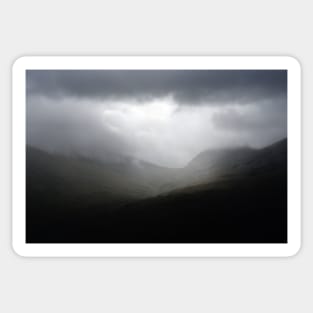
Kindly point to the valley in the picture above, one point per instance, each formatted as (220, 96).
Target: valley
(229, 195)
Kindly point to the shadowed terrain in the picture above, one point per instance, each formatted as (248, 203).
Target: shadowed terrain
(221, 196)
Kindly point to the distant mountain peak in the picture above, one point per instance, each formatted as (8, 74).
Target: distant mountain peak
(231, 155)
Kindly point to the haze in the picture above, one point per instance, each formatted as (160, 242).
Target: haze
(165, 117)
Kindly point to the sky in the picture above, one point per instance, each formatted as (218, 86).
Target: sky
(165, 117)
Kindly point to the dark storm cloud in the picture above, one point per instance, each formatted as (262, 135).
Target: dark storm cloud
(185, 86)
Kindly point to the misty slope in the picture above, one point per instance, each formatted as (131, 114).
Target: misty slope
(240, 159)
(217, 165)
(247, 201)
(233, 195)
(75, 179)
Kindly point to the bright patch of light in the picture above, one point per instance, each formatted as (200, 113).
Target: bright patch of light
(160, 131)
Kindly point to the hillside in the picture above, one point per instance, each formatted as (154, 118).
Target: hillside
(245, 202)
(216, 165)
(230, 195)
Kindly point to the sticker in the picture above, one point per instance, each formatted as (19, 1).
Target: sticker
(156, 156)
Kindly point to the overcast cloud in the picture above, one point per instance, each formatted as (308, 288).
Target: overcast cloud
(165, 117)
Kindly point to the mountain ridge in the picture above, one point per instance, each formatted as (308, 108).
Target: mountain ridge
(77, 200)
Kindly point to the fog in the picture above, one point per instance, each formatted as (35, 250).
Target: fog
(163, 117)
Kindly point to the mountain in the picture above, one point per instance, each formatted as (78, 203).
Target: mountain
(243, 201)
(239, 157)
(228, 195)
(74, 176)
(223, 164)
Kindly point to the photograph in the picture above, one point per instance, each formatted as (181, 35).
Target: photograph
(156, 156)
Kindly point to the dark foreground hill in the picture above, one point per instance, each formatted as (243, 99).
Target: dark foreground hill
(221, 196)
